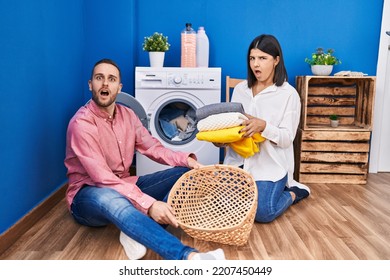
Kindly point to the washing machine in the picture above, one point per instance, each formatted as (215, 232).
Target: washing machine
(170, 97)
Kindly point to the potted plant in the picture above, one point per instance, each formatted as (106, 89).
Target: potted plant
(334, 120)
(322, 62)
(156, 44)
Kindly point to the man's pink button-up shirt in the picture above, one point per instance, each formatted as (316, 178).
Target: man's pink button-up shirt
(100, 150)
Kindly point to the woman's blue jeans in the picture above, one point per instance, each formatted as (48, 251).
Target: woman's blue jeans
(273, 200)
(96, 206)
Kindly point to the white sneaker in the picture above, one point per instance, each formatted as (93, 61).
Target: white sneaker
(301, 191)
(133, 249)
(299, 186)
(212, 255)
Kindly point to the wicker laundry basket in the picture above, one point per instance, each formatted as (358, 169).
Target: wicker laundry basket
(215, 203)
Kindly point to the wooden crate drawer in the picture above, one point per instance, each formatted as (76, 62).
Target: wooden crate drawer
(332, 156)
(351, 98)
(333, 168)
(335, 147)
(333, 178)
(336, 136)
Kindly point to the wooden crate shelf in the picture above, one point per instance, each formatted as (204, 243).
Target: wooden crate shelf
(334, 155)
(351, 98)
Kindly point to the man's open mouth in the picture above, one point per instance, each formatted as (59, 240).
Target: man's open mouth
(104, 93)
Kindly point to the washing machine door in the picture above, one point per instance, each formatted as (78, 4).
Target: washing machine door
(174, 121)
(132, 103)
(172, 116)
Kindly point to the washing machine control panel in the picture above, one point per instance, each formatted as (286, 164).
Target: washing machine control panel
(177, 80)
(193, 80)
(178, 77)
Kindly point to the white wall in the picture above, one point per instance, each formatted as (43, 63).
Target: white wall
(380, 146)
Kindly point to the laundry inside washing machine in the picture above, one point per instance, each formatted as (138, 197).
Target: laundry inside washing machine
(177, 121)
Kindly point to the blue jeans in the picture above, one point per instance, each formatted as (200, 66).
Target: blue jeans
(96, 206)
(273, 200)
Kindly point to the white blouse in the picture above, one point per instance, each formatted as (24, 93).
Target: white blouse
(280, 107)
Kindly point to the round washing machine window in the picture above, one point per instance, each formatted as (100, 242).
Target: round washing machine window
(175, 122)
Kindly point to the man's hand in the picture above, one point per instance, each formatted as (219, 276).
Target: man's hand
(193, 164)
(162, 213)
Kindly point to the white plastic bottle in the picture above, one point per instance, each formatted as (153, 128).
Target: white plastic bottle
(188, 46)
(202, 48)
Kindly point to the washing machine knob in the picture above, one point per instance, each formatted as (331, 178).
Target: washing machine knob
(177, 80)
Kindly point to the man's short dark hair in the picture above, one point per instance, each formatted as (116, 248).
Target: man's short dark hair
(107, 61)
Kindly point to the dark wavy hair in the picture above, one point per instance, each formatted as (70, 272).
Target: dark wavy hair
(270, 45)
(107, 61)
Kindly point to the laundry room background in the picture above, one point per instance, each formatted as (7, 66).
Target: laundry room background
(230, 25)
(48, 48)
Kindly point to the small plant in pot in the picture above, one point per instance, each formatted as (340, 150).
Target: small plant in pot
(156, 44)
(322, 62)
(334, 120)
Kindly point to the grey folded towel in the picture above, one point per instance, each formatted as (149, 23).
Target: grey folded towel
(218, 108)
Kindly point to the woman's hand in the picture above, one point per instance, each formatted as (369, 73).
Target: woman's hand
(193, 164)
(253, 125)
(220, 145)
(162, 213)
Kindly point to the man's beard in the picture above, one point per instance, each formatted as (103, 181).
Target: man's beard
(95, 97)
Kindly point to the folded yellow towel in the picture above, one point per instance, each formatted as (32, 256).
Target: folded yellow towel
(225, 135)
(247, 146)
(244, 146)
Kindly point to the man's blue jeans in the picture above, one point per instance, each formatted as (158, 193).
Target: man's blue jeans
(273, 200)
(96, 206)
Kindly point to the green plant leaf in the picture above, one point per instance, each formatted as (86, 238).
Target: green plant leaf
(156, 43)
(323, 58)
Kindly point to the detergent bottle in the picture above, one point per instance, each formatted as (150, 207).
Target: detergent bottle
(188, 46)
(202, 48)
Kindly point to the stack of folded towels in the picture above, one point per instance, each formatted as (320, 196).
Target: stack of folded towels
(221, 123)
